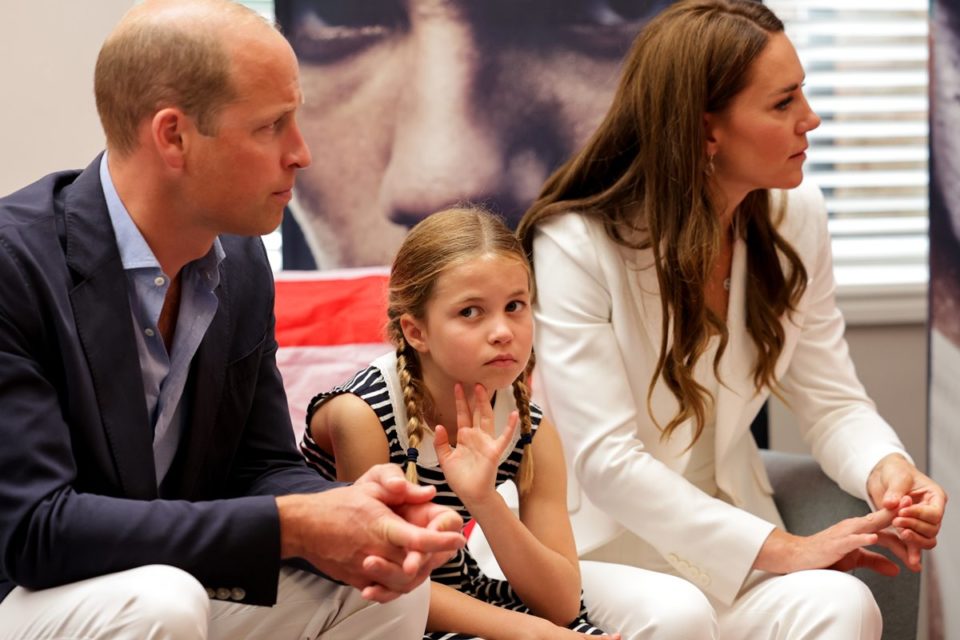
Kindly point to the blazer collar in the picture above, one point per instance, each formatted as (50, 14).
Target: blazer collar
(736, 365)
(104, 325)
(194, 471)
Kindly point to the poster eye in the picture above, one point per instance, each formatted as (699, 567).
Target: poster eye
(327, 30)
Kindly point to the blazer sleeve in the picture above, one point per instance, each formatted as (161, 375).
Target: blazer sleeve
(586, 386)
(840, 423)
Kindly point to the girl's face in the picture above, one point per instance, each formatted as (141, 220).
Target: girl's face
(478, 326)
(759, 140)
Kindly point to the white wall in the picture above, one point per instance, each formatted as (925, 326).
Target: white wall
(891, 361)
(48, 49)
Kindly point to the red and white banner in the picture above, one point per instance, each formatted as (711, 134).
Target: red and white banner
(329, 325)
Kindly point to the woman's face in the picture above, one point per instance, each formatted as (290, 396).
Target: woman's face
(759, 140)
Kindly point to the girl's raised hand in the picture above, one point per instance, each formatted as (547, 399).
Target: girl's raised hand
(471, 466)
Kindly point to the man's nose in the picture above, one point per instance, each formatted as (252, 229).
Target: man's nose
(451, 143)
(298, 153)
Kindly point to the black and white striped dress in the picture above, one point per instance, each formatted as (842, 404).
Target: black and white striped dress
(377, 385)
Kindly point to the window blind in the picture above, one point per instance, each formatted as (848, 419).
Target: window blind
(866, 64)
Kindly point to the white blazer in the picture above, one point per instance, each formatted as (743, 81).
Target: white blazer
(598, 329)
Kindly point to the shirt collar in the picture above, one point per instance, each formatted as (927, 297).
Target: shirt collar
(135, 253)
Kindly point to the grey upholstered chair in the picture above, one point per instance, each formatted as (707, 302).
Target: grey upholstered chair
(809, 501)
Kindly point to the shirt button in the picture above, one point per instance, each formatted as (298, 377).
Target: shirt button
(237, 594)
(223, 593)
(159, 281)
(149, 332)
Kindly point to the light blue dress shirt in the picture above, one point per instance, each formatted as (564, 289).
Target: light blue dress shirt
(164, 374)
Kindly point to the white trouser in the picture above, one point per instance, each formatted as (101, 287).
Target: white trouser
(823, 604)
(645, 605)
(164, 603)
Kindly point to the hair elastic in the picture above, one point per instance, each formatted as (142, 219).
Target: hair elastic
(412, 454)
(525, 439)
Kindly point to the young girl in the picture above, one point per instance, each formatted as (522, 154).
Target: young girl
(452, 406)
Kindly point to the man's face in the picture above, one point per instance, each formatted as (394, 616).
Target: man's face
(414, 105)
(242, 175)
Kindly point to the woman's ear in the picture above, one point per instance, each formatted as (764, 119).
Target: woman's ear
(414, 332)
(710, 125)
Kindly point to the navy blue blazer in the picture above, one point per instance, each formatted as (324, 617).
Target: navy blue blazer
(78, 495)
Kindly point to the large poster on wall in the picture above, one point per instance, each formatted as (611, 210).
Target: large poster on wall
(414, 105)
(943, 566)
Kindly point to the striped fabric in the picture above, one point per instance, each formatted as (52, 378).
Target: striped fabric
(462, 571)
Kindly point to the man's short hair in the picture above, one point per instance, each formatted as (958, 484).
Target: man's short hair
(151, 63)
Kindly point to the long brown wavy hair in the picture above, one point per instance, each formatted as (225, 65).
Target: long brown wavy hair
(437, 243)
(645, 174)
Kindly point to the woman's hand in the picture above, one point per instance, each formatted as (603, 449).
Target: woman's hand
(471, 466)
(837, 547)
(918, 523)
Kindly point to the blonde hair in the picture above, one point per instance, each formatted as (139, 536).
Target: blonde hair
(645, 174)
(437, 243)
(167, 54)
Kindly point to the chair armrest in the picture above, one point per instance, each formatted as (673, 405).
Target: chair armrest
(808, 502)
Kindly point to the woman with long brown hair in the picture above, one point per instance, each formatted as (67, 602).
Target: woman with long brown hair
(684, 274)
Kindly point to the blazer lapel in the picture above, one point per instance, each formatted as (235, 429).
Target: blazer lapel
(642, 278)
(103, 319)
(207, 374)
(736, 366)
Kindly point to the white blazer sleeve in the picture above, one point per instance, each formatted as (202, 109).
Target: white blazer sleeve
(586, 388)
(837, 419)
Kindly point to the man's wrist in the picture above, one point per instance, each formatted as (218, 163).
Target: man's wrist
(288, 510)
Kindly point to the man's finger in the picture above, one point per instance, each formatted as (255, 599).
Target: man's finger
(379, 593)
(404, 535)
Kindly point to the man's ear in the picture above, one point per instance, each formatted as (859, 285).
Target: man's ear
(167, 132)
(414, 332)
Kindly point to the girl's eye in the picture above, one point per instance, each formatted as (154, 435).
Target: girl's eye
(515, 305)
(470, 312)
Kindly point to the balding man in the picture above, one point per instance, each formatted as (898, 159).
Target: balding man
(151, 487)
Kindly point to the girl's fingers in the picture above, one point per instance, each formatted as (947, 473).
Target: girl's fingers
(482, 411)
(464, 417)
(507, 436)
(441, 443)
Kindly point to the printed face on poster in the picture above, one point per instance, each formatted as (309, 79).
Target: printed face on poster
(415, 105)
(943, 437)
